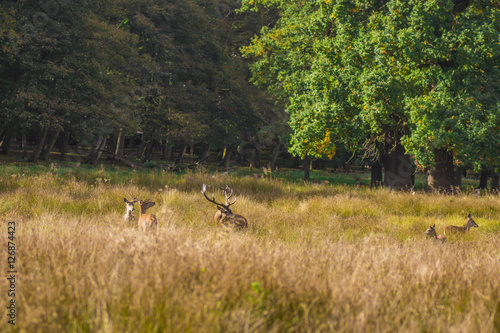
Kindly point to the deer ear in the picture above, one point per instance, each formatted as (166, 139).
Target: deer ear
(125, 199)
(434, 225)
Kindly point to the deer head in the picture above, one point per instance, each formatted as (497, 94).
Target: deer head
(431, 231)
(144, 205)
(129, 205)
(470, 223)
(129, 208)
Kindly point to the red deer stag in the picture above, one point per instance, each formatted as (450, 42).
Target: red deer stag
(146, 220)
(468, 224)
(224, 216)
(431, 232)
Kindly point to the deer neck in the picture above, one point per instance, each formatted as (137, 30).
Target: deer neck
(128, 215)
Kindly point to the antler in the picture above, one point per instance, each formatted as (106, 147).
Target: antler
(228, 192)
(204, 190)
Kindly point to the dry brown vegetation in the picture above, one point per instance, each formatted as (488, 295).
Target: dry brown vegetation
(314, 258)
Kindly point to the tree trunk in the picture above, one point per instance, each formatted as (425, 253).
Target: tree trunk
(495, 181)
(120, 144)
(7, 142)
(150, 148)
(458, 176)
(97, 148)
(182, 152)
(307, 168)
(64, 145)
(111, 143)
(227, 158)
(251, 158)
(166, 153)
(397, 164)
(2, 129)
(24, 142)
(274, 157)
(221, 155)
(50, 144)
(3, 135)
(39, 146)
(443, 176)
(376, 174)
(142, 148)
(205, 152)
(483, 179)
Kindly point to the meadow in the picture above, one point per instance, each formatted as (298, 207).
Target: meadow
(327, 257)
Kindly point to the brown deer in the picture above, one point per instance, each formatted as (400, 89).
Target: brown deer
(146, 220)
(468, 224)
(129, 206)
(224, 216)
(431, 232)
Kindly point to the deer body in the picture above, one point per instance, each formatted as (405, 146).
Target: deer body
(229, 220)
(431, 232)
(470, 223)
(224, 217)
(129, 206)
(146, 220)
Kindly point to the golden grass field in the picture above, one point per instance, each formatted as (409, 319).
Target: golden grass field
(316, 258)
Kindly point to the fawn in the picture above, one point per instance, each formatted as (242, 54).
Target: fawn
(146, 220)
(431, 232)
(468, 224)
(224, 216)
(129, 206)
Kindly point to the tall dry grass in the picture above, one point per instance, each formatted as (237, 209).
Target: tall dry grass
(315, 258)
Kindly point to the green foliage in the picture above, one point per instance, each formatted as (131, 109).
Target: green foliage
(169, 70)
(355, 69)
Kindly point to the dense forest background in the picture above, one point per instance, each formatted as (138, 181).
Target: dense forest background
(102, 74)
(398, 86)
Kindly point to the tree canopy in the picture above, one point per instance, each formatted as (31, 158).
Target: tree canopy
(169, 71)
(424, 72)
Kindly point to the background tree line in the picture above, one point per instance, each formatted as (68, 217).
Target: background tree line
(96, 73)
(405, 85)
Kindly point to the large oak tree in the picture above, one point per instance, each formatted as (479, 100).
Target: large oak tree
(420, 76)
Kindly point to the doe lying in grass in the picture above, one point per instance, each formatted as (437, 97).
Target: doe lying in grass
(224, 216)
(468, 224)
(431, 232)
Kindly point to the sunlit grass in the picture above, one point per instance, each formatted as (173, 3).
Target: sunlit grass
(315, 257)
